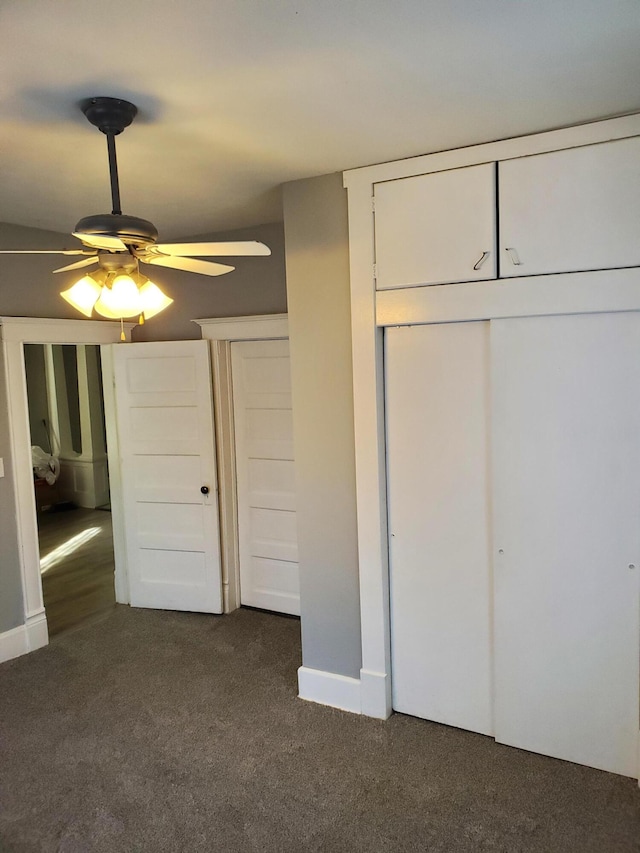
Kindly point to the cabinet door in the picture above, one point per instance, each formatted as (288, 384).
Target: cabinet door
(566, 451)
(436, 228)
(437, 442)
(571, 210)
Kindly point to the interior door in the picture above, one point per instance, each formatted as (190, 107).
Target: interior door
(437, 406)
(167, 455)
(267, 532)
(566, 450)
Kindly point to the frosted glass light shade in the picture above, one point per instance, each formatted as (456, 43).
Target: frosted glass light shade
(120, 300)
(153, 299)
(83, 295)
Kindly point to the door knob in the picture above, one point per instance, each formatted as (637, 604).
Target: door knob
(204, 490)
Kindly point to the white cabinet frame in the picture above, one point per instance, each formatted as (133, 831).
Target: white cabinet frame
(612, 290)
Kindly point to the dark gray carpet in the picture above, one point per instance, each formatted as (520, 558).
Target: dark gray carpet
(156, 731)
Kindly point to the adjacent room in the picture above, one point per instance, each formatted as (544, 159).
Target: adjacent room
(320, 426)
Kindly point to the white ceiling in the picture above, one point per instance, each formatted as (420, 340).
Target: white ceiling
(238, 96)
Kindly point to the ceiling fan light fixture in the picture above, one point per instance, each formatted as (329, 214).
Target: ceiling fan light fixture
(121, 299)
(153, 299)
(83, 295)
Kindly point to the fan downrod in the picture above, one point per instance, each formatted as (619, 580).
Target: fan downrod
(110, 115)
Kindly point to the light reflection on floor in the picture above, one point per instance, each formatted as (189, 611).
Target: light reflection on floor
(77, 566)
(67, 548)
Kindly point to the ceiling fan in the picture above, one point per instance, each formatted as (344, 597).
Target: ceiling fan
(118, 243)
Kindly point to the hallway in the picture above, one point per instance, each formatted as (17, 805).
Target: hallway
(76, 558)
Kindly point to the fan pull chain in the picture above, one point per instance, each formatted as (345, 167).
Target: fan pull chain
(123, 337)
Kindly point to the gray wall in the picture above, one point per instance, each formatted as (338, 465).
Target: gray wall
(317, 262)
(256, 286)
(11, 603)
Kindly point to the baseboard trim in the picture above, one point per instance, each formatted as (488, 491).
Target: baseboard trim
(37, 631)
(328, 688)
(375, 694)
(25, 638)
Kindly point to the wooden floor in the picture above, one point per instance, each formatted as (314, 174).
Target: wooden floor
(79, 585)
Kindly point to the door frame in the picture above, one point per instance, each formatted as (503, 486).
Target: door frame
(222, 332)
(15, 332)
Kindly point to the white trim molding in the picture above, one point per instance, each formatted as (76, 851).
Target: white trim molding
(222, 332)
(529, 296)
(328, 688)
(260, 327)
(15, 332)
(25, 638)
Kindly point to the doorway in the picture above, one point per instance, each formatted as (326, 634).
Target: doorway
(70, 481)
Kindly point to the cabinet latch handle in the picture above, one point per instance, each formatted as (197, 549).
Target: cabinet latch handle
(481, 260)
(515, 260)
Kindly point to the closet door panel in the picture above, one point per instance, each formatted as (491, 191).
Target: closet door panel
(437, 442)
(571, 210)
(436, 228)
(566, 451)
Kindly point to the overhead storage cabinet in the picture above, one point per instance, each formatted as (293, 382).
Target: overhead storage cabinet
(571, 210)
(564, 211)
(436, 228)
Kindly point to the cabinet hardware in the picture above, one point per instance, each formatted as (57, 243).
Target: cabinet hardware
(515, 260)
(204, 490)
(482, 259)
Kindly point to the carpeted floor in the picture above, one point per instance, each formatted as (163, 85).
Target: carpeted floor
(156, 731)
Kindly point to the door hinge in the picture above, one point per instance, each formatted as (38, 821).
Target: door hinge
(375, 272)
(373, 203)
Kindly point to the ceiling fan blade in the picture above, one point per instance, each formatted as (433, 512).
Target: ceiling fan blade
(85, 262)
(100, 241)
(187, 264)
(43, 252)
(211, 250)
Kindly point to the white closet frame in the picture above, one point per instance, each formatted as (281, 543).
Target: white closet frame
(574, 293)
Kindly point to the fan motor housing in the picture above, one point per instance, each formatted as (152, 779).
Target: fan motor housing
(130, 229)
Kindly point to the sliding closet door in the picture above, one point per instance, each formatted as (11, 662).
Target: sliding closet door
(437, 397)
(566, 451)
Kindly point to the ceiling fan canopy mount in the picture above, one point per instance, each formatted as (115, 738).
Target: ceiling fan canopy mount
(110, 115)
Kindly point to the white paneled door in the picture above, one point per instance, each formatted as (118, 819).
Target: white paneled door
(267, 533)
(165, 427)
(439, 549)
(566, 459)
